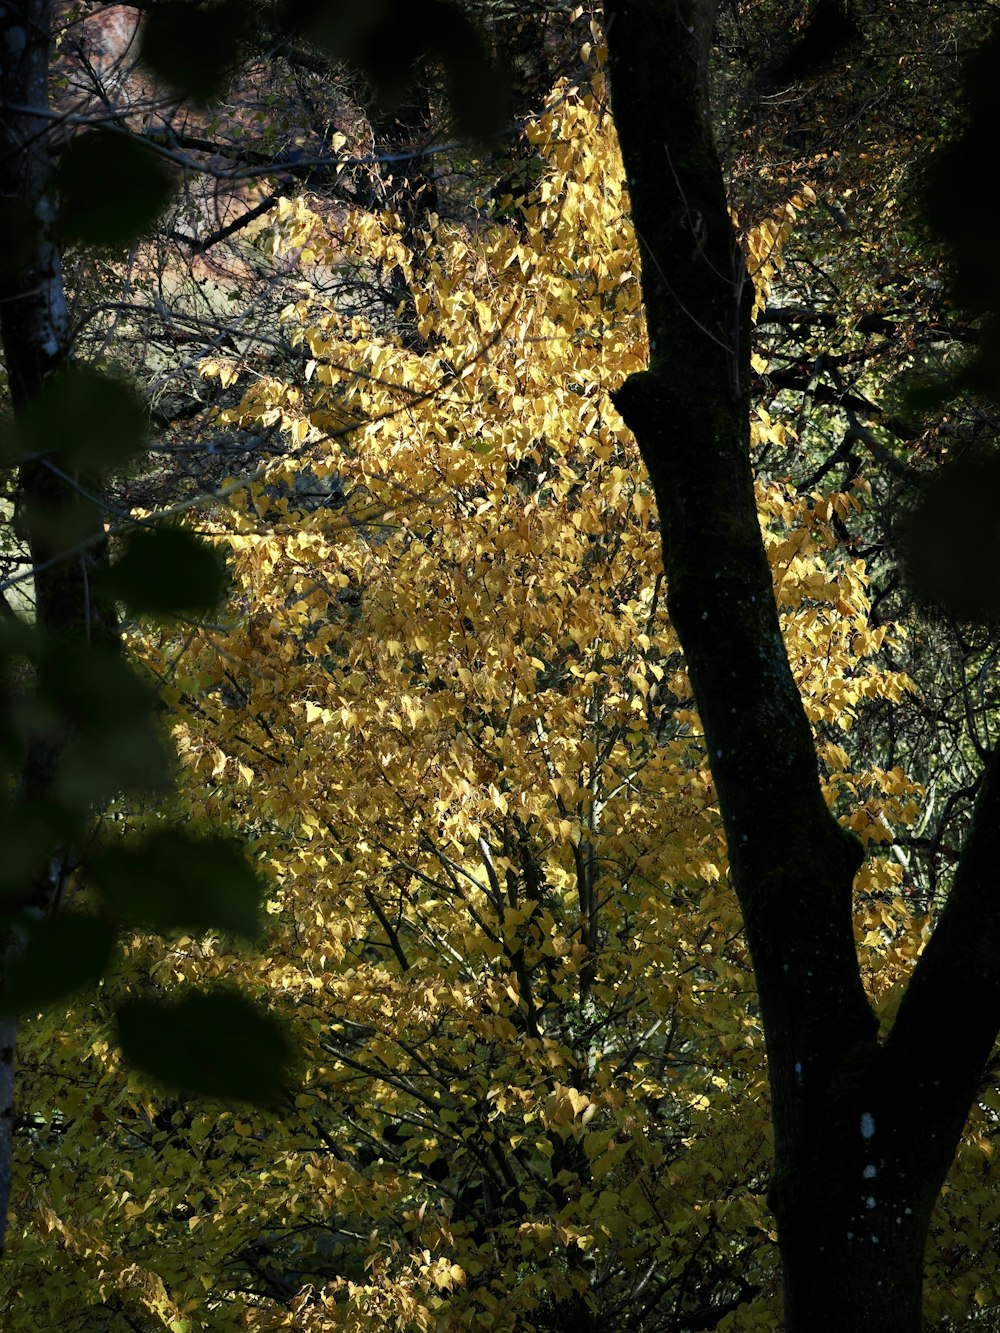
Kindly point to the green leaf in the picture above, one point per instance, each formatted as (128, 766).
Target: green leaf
(210, 1043)
(29, 834)
(61, 956)
(948, 537)
(193, 47)
(167, 571)
(365, 32)
(112, 188)
(478, 88)
(88, 419)
(175, 881)
(92, 706)
(388, 40)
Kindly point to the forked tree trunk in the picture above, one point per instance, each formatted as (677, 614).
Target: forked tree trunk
(865, 1129)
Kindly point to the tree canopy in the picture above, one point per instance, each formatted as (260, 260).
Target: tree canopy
(542, 597)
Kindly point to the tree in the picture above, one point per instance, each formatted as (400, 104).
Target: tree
(78, 728)
(866, 1124)
(864, 311)
(447, 708)
(450, 713)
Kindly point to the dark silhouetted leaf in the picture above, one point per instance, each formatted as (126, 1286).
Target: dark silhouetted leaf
(107, 762)
(29, 835)
(960, 207)
(211, 1043)
(369, 34)
(175, 881)
(167, 571)
(389, 39)
(830, 32)
(478, 88)
(949, 536)
(61, 956)
(193, 46)
(112, 188)
(18, 649)
(92, 701)
(87, 419)
(62, 524)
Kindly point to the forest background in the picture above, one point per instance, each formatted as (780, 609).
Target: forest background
(431, 685)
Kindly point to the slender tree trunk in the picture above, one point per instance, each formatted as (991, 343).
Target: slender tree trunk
(34, 331)
(864, 1130)
(33, 323)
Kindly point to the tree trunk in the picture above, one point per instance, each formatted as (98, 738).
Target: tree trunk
(864, 1130)
(33, 323)
(34, 331)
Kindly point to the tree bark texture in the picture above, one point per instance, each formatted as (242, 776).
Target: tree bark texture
(865, 1129)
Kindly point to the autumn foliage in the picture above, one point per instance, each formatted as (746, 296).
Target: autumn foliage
(447, 710)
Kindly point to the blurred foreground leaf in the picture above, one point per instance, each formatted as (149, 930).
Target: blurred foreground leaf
(91, 703)
(112, 188)
(174, 881)
(86, 418)
(167, 571)
(209, 1043)
(949, 537)
(62, 955)
(388, 39)
(192, 46)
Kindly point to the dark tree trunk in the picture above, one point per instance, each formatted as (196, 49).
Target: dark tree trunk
(35, 336)
(864, 1130)
(33, 323)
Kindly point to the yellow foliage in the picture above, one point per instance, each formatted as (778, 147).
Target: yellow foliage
(451, 715)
